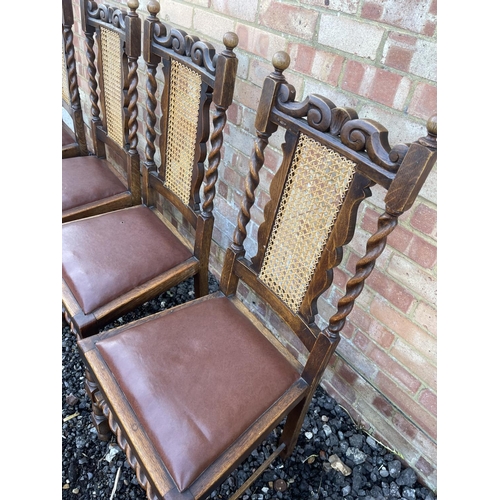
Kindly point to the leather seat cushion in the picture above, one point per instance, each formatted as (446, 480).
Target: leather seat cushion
(196, 379)
(86, 179)
(105, 256)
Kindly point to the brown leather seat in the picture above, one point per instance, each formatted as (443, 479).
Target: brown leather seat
(87, 179)
(191, 421)
(190, 392)
(97, 270)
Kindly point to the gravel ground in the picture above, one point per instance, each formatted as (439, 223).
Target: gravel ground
(333, 459)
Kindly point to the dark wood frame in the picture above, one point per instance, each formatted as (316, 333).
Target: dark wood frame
(74, 109)
(128, 26)
(401, 170)
(218, 72)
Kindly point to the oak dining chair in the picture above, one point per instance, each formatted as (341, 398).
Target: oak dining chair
(114, 262)
(188, 393)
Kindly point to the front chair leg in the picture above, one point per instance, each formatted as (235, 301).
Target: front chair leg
(98, 418)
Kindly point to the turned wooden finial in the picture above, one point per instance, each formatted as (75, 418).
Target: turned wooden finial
(230, 40)
(432, 130)
(133, 5)
(432, 125)
(281, 61)
(153, 7)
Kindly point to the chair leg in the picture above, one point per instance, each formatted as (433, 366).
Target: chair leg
(201, 283)
(257, 473)
(293, 425)
(98, 418)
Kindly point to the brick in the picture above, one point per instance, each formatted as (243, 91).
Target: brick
(342, 390)
(413, 16)
(383, 406)
(393, 292)
(259, 41)
(426, 316)
(429, 401)
(327, 66)
(424, 219)
(389, 88)
(422, 252)
(379, 334)
(347, 6)
(395, 370)
(247, 94)
(234, 113)
(424, 61)
(212, 25)
(363, 342)
(354, 357)
(351, 36)
(421, 282)
(222, 189)
(424, 101)
(376, 84)
(404, 426)
(301, 57)
(201, 3)
(409, 407)
(176, 13)
(399, 58)
(372, 10)
(360, 318)
(400, 239)
(353, 76)
(233, 179)
(291, 19)
(246, 10)
(404, 328)
(424, 467)
(369, 220)
(248, 122)
(258, 71)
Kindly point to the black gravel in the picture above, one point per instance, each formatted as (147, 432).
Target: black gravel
(95, 470)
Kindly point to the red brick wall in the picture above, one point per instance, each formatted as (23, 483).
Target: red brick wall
(379, 57)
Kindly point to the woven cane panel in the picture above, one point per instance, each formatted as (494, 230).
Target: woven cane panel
(313, 194)
(65, 89)
(183, 111)
(112, 79)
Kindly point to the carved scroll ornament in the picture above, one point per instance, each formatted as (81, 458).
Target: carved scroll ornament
(359, 135)
(106, 13)
(201, 53)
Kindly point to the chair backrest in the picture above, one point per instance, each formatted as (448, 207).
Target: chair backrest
(331, 159)
(194, 77)
(112, 78)
(70, 89)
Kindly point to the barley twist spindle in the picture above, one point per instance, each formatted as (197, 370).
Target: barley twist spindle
(69, 50)
(251, 183)
(151, 103)
(92, 70)
(132, 93)
(132, 96)
(216, 140)
(374, 247)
